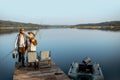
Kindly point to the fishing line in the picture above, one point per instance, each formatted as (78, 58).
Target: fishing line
(6, 56)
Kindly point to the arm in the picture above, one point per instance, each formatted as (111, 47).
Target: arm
(34, 42)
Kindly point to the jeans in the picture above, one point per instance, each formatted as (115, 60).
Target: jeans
(21, 58)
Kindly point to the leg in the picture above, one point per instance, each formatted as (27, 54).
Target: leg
(23, 56)
(19, 58)
(23, 59)
(36, 65)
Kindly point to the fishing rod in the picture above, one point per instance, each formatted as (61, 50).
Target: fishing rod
(39, 29)
(36, 33)
(6, 56)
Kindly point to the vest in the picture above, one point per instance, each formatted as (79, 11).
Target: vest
(25, 39)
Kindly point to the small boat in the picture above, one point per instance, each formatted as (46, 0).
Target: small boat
(85, 71)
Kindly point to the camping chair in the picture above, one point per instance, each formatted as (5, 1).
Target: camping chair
(45, 60)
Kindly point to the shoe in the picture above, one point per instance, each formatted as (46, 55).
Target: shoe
(23, 66)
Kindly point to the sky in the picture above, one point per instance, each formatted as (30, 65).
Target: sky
(60, 12)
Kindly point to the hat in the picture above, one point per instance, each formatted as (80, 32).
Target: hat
(31, 33)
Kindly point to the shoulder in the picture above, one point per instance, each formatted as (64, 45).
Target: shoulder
(25, 35)
(35, 40)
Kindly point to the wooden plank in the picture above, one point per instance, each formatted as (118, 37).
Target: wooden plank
(50, 73)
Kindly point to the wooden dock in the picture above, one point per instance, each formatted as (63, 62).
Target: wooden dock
(47, 73)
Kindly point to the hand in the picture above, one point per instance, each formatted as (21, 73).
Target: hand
(33, 40)
(14, 48)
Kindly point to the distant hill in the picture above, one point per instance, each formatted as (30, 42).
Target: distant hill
(10, 26)
(20, 24)
(111, 23)
(112, 26)
(16, 24)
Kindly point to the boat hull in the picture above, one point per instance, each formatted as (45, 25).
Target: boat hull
(85, 72)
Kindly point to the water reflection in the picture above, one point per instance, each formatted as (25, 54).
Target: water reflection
(68, 45)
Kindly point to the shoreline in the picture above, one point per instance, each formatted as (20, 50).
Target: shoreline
(104, 28)
(5, 30)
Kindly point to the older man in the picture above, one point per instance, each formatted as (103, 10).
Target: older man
(21, 44)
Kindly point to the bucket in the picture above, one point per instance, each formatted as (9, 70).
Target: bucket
(87, 60)
(15, 53)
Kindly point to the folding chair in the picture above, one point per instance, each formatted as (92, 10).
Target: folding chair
(45, 59)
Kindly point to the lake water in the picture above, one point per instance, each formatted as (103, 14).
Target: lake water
(68, 45)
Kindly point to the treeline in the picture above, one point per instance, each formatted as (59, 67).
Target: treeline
(17, 24)
(10, 26)
(28, 25)
(110, 23)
